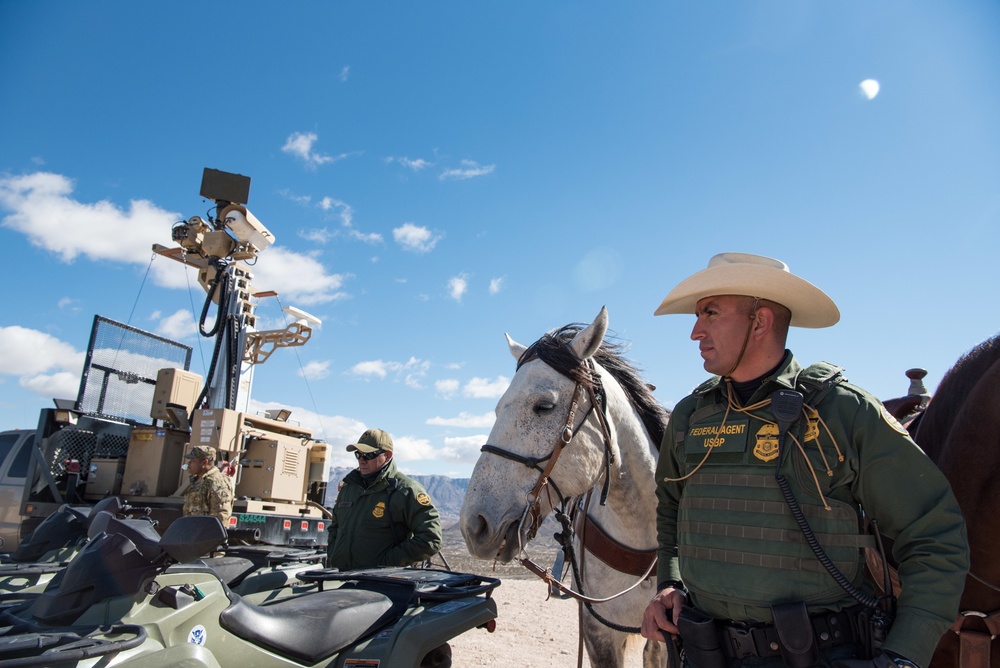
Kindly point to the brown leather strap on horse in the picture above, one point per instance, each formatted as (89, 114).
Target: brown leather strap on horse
(562, 440)
(975, 645)
(620, 557)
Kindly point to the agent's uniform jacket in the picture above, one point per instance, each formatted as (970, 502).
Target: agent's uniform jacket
(391, 522)
(727, 533)
(210, 494)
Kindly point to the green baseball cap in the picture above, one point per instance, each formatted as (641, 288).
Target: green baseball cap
(372, 440)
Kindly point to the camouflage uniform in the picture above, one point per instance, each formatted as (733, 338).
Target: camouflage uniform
(209, 494)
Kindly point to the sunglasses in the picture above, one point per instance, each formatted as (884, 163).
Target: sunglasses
(367, 456)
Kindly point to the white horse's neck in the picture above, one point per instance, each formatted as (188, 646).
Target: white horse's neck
(630, 513)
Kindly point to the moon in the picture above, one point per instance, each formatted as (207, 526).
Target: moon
(870, 88)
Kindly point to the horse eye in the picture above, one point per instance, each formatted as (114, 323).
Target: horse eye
(543, 407)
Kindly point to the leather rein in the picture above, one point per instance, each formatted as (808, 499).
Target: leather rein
(619, 557)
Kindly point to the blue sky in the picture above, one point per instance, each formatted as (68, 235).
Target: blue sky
(437, 174)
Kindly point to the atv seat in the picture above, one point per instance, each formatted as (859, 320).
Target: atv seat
(316, 625)
(230, 570)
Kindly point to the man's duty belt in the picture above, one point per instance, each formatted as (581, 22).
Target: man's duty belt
(831, 629)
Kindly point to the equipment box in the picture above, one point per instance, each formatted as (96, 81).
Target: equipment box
(154, 461)
(104, 478)
(273, 468)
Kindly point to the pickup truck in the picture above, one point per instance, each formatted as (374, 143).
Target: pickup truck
(15, 455)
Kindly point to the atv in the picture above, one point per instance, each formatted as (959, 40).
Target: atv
(133, 598)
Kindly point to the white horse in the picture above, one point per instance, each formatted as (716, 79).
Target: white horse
(553, 445)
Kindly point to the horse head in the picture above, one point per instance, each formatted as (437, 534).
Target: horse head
(557, 436)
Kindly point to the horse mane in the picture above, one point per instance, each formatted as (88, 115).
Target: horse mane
(553, 349)
(951, 392)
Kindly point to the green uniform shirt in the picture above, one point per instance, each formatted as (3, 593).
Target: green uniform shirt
(883, 472)
(391, 522)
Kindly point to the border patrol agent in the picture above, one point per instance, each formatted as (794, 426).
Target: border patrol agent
(210, 492)
(381, 517)
(739, 578)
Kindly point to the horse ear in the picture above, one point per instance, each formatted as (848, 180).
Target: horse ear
(588, 340)
(516, 349)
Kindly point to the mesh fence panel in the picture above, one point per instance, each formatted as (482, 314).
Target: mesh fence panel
(119, 375)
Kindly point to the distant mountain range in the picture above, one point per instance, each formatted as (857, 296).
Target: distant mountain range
(447, 493)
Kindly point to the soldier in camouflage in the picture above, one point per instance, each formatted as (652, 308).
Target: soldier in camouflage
(210, 492)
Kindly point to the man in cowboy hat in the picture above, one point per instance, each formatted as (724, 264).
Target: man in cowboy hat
(381, 517)
(210, 492)
(763, 476)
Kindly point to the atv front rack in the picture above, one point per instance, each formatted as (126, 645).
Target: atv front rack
(429, 584)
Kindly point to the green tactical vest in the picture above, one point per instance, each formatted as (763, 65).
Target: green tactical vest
(737, 539)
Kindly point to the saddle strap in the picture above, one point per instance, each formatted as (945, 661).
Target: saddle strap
(620, 557)
(974, 646)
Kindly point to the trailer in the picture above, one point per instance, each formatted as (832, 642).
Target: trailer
(139, 408)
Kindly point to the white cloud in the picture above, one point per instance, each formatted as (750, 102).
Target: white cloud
(458, 286)
(345, 71)
(43, 364)
(410, 448)
(469, 169)
(415, 238)
(297, 277)
(43, 211)
(378, 368)
(300, 145)
(69, 304)
(180, 325)
(410, 372)
(464, 449)
(447, 387)
(870, 88)
(484, 388)
(315, 370)
(316, 235)
(466, 420)
(61, 385)
(415, 165)
(496, 285)
(26, 352)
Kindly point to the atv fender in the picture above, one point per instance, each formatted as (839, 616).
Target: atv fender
(188, 655)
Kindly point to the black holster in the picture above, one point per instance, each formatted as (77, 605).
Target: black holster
(702, 644)
(795, 634)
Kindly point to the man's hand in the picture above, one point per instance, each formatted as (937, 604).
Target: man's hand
(661, 614)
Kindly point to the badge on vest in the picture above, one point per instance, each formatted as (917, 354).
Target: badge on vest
(766, 447)
(379, 510)
(423, 499)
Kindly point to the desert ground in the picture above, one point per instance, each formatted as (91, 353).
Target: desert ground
(532, 629)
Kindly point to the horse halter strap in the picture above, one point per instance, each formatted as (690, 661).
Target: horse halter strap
(565, 436)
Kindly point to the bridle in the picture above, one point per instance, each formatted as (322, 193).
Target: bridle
(590, 386)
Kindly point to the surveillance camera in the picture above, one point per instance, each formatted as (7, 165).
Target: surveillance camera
(246, 227)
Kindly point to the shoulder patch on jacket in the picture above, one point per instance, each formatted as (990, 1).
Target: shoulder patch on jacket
(423, 499)
(893, 422)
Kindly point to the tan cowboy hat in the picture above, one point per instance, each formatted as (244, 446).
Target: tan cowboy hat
(754, 276)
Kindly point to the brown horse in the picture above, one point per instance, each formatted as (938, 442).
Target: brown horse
(960, 431)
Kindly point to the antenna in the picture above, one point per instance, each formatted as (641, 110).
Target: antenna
(299, 314)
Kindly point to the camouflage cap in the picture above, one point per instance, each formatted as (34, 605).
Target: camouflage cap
(372, 440)
(201, 452)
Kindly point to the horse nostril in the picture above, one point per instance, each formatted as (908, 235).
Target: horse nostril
(480, 527)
